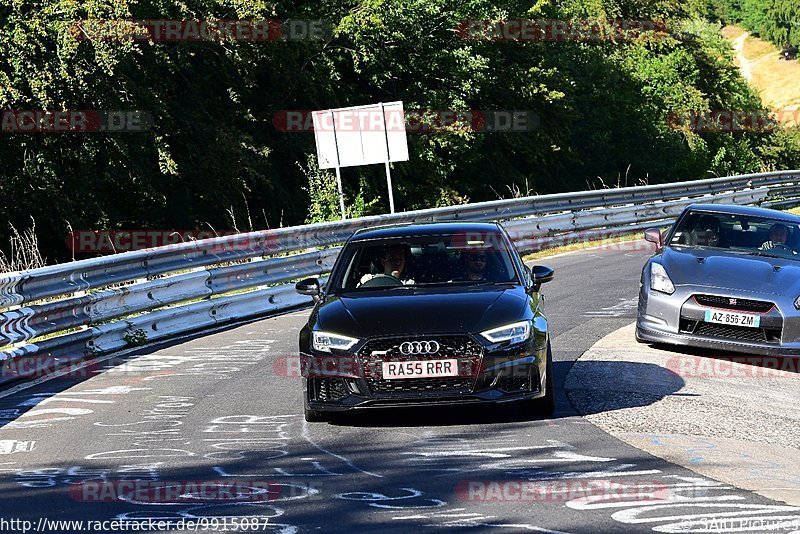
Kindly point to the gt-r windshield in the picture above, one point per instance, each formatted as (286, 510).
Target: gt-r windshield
(427, 260)
(761, 236)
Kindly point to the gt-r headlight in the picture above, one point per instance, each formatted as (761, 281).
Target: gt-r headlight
(659, 279)
(514, 332)
(325, 341)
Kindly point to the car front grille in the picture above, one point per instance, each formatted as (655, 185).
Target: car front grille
(743, 305)
(738, 333)
(329, 389)
(512, 384)
(464, 349)
(731, 332)
(422, 386)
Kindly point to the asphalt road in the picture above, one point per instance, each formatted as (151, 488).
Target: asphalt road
(207, 432)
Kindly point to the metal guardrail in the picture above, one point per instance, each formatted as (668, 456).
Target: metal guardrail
(75, 310)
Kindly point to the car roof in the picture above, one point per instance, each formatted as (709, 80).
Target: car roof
(745, 210)
(417, 229)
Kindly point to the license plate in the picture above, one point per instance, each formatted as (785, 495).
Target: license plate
(732, 318)
(420, 369)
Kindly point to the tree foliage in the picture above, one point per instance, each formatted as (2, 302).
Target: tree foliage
(602, 109)
(775, 20)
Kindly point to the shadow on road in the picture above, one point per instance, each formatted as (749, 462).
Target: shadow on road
(586, 376)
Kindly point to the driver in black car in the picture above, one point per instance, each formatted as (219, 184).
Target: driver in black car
(778, 234)
(393, 262)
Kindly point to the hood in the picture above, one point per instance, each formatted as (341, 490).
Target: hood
(416, 311)
(730, 270)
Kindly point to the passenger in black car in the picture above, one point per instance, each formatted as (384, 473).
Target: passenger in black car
(476, 265)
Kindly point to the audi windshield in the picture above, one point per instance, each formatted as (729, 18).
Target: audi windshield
(430, 260)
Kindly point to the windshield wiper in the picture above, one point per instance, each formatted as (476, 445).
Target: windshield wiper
(765, 254)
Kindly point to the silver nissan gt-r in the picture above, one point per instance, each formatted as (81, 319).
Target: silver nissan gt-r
(724, 277)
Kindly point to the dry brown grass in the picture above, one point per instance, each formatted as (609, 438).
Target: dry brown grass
(777, 81)
(755, 48)
(24, 253)
(731, 32)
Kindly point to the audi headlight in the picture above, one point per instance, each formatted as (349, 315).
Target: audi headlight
(797, 303)
(325, 341)
(514, 332)
(659, 279)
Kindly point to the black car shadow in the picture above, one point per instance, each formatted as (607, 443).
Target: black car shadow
(569, 402)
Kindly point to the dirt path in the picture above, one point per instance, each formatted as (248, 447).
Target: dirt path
(745, 65)
(777, 82)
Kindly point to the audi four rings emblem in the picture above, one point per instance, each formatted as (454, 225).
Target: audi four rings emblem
(419, 347)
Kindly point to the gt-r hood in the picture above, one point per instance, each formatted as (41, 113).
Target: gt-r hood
(411, 311)
(730, 270)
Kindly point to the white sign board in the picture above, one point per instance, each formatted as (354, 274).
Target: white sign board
(361, 135)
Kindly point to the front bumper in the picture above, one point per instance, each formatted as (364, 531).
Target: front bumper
(650, 334)
(350, 381)
(678, 319)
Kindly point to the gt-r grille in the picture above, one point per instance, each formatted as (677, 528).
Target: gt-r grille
(739, 333)
(744, 305)
(464, 349)
(731, 332)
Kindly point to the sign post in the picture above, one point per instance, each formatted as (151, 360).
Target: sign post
(361, 135)
(388, 158)
(341, 193)
(338, 168)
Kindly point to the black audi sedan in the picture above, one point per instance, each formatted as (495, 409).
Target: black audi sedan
(423, 314)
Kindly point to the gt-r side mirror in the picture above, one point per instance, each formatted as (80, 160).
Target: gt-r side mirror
(540, 275)
(653, 235)
(309, 286)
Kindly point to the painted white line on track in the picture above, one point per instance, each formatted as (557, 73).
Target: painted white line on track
(342, 458)
(70, 368)
(67, 370)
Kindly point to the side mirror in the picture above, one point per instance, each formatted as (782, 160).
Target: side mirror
(653, 235)
(309, 286)
(541, 275)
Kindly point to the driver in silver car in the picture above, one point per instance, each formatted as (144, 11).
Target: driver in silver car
(393, 262)
(778, 234)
